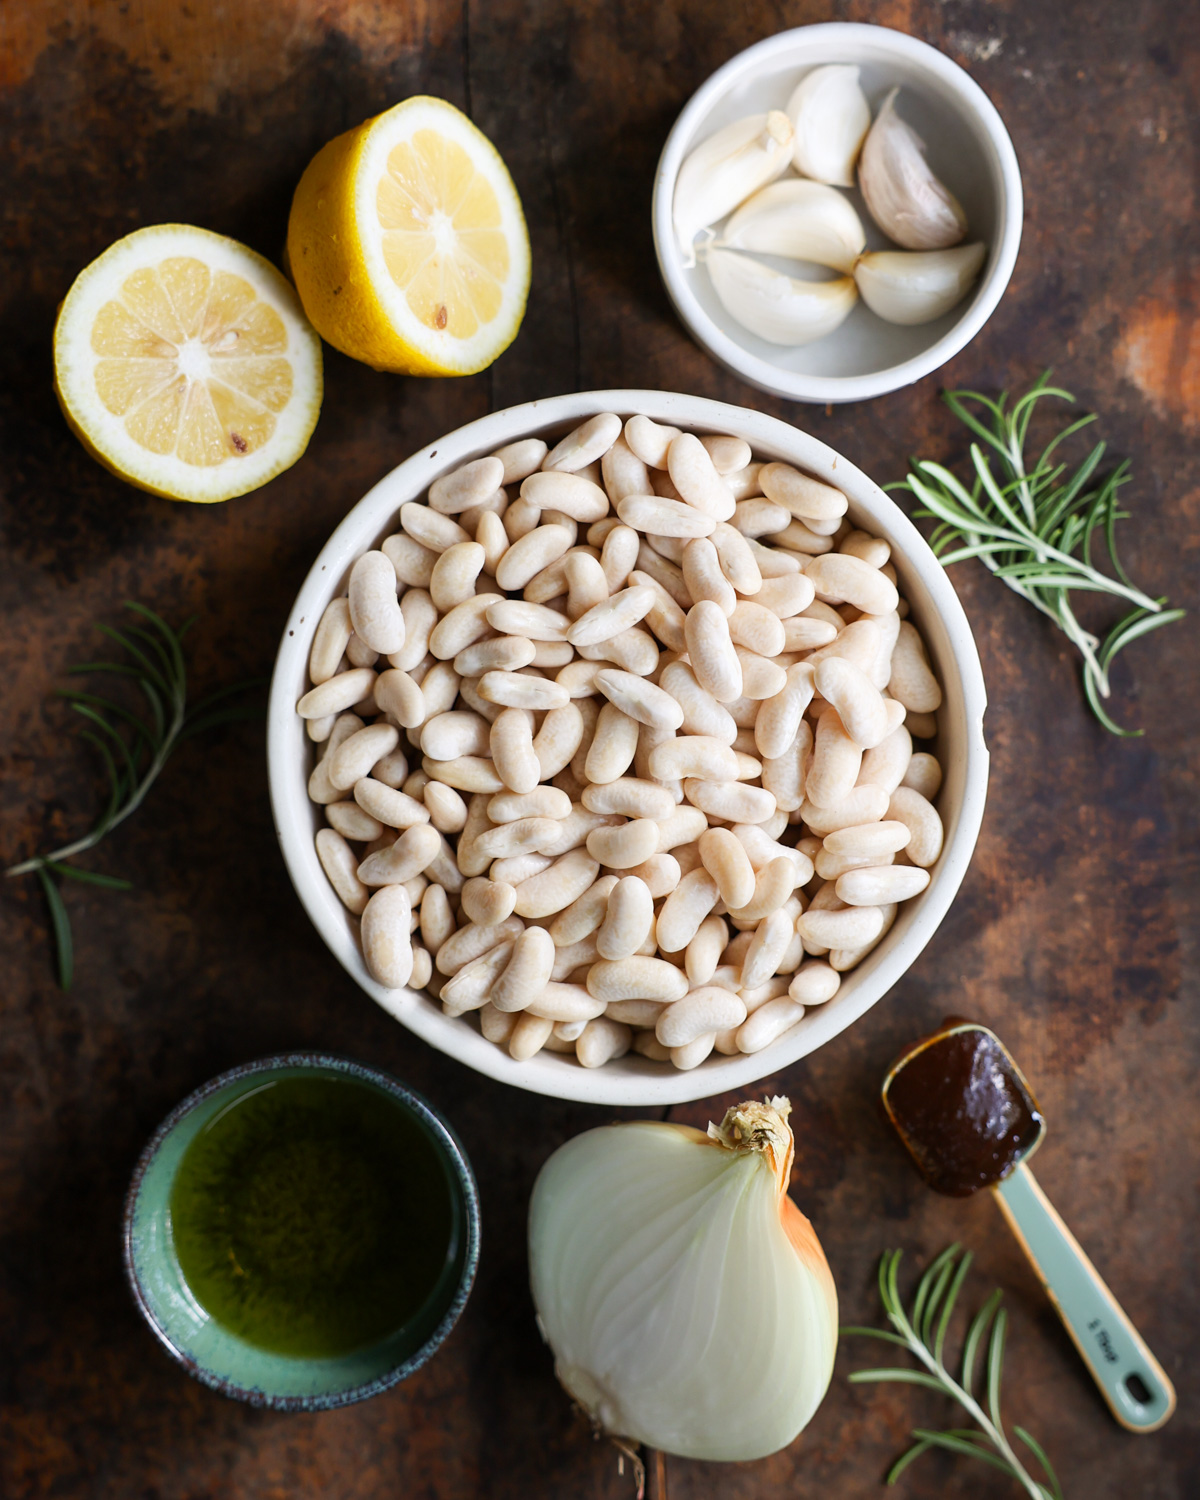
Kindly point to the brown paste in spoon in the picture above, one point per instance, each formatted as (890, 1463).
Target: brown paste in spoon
(962, 1108)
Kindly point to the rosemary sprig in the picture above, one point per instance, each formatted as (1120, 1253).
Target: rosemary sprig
(1034, 527)
(922, 1332)
(132, 759)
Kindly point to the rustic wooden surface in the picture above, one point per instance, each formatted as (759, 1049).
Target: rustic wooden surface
(1075, 932)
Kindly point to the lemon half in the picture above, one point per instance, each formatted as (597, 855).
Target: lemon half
(408, 245)
(184, 363)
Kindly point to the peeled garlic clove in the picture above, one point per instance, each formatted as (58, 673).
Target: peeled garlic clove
(916, 286)
(725, 169)
(903, 195)
(801, 220)
(778, 308)
(830, 115)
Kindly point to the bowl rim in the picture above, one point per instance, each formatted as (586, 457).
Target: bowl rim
(822, 389)
(453, 1154)
(289, 794)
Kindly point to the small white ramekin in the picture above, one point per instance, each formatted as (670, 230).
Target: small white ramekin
(633, 1080)
(968, 147)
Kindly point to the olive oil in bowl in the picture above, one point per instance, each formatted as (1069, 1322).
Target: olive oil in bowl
(313, 1217)
(302, 1232)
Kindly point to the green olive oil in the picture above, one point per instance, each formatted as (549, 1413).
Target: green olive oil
(314, 1216)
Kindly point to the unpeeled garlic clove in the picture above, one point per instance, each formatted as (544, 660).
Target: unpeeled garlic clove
(830, 115)
(904, 197)
(916, 286)
(727, 168)
(800, 220)
(776, 307)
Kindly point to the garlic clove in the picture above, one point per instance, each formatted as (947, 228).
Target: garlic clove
(916, 286)
(830, 116)
(801, 220)
(727, 168)
(776, 307)
(903, 195)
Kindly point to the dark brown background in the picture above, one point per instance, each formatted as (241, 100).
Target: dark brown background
(1075, 933)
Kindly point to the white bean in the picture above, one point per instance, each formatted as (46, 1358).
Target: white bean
(566, 879)
(386, 941)
(661, 874)
(340, 864)
(354, 757)
(453, 578)
(433, 531)
(332, 635)
(572, 494)
(859, 704)
(520, 459)
(468, 486)
(699, 1013)
(393, 808)
(585, 444)
(836, 761)
(352, 822)
(538, 802)
(768, 1023)
(650, 440)
(714, 661)
(512, 746)
(769, 944)
(921, 818)
(814, 983)
(458, 732)
(729, 865)
(662, 517)
(529, 1036)
(470, 987)
(695, 477)
(912, 681)
(336, 694)
(412, 562)
(410, 855)
(612, 748)
(628, 920)
(837, 577)
(848, 928)
(630, 796)
(887, 764)
(623, 847)
(527, 972)
(636, 979)
(685, 909)
(734, 801)
(465, 624)
(639, 699)
(878, 885)
(602, 1040)
(923, 774)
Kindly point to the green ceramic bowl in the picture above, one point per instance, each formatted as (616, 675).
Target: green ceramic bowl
(228, 1363)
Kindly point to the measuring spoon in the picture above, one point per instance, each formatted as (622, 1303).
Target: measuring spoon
(969, 1120)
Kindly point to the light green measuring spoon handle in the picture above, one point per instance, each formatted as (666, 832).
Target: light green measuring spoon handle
(1131, 1380)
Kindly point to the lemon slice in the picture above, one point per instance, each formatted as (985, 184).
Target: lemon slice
(184, 363)
(408, 245)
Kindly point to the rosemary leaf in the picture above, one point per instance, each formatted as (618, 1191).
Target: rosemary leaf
(1033, 524)
(923, 1333)
(61, 924)
(132, 759)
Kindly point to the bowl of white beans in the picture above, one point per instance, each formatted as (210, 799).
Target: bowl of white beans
(627, 746)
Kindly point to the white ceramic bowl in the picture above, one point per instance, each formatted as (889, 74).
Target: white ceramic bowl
(969, 149)
(633, 1080)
